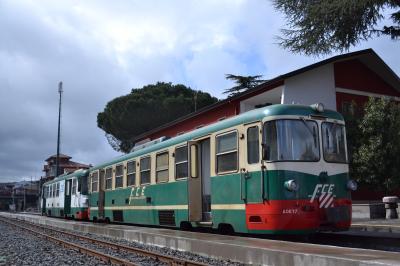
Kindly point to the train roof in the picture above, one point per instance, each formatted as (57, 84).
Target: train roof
(77, 173)
(250, 116)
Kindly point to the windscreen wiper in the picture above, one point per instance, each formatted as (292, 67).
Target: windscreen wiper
(309, 130)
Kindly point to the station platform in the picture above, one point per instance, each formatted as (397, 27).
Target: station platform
(246, 250)
(376, 225)
(370, 217)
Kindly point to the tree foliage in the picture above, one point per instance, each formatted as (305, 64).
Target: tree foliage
(145, 108)
(376, 159)
(242, 83)
(322, 26)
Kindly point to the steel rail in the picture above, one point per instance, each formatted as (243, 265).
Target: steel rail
(155, 255)
(79, 248)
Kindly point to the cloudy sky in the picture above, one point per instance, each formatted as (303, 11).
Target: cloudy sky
(102, 49)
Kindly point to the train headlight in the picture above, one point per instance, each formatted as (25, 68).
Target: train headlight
(352, 185)
(291, 185)
(319, 107)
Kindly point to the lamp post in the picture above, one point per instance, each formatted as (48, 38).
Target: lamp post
(60, 91)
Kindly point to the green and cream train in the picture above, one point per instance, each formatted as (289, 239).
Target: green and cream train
(277, 169)
(67, 196)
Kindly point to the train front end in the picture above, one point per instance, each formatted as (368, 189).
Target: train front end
(306, 187)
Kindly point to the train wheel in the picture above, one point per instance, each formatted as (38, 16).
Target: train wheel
(107, 220)
(226, 229)
(186, 226)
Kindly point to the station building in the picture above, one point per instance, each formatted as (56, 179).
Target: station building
(65, 165)
(336, 82)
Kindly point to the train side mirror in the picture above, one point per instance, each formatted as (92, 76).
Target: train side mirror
(193, 161)
(265, 152)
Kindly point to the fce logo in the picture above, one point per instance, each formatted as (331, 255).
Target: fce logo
(325, 195)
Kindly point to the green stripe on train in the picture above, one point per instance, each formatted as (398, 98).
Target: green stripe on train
(226, 191)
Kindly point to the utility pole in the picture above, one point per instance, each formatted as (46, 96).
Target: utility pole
(24, 184)
(60, 91)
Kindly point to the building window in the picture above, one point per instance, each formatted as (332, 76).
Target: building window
(109, 178)
(119, 175)
(145, 167)
(253, 145)
(74, 186)
(227, 152)
(181, 162)
(348, 108)
(162, 167)
(95, 181)
(131, 173)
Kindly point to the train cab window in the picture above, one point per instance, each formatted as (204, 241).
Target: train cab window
(333, 142)
(162, 167)
(145, 166)
(53, 190)
(291, 140)
(227, 152)
(253, 145)
(109, 178)
(119, 176)
(73, 189)
(131, 173)
(95, 181)
(181, 162)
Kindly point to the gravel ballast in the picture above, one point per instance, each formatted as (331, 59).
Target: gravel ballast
(18, 247)
(41, 254)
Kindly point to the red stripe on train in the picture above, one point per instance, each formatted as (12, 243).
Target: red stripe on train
(294, 215)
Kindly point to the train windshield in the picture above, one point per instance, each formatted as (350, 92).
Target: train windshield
(291, 140)
(333, 142)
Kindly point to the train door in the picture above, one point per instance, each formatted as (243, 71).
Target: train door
(67, 203)
(101, 194)
(44, 196)
(252, 178)
(199, 183)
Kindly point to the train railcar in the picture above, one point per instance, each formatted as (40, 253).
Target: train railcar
(66, 196)
(277, 169)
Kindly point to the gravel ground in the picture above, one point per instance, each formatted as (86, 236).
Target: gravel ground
(129, 256)
(162, 250)
(18, 247)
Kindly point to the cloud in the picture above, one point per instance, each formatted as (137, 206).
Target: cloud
(101, 50)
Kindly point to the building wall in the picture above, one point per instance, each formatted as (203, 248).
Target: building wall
(314, 86)
(355, 83)
(354, 75)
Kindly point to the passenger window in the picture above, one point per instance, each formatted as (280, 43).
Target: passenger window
(162, 167)
(95, 181)
(181, 162)
(119, 175)
(253, 145)
(57, 189)
(84, 185)
(227, 153)
(131, 173)
(109, 178)
(145, 167)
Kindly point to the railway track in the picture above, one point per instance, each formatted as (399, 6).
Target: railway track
(67, 239)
